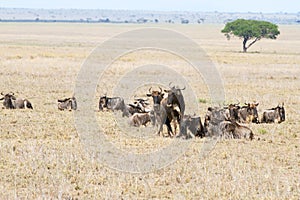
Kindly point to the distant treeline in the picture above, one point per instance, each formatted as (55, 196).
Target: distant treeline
(139, 21)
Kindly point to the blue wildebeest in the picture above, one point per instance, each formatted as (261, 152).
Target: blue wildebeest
(193, 124)
(274, 115)
(248, 113)
(138, 119)
(164, 111)
(11, 102)
(67, 104)
(233, 111)
(114, 104)
(139, 106)
(217, 123)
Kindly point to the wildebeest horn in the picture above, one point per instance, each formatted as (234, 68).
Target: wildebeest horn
(170, 84)
(150, 91)
(160, 89)
(2, 93)
(182, 88)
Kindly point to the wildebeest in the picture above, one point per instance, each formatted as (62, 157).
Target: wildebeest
(233, 111)
(138, 119)
(164, 112)
(67, 104)
(11, 102)
(113, 103)
(217, 124)
(274, 115)
(139, 106)
(248, 113)
(193, 124)
(175, 97)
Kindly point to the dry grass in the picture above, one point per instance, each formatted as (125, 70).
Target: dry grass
(42, 156)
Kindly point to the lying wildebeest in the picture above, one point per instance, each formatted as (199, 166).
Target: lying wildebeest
(274, 115)
(67, 104)
(193, 124)
(113, 103)
(248, 113)
(164, 111)
(217, 124)
(139, 106)
(138, 119)
(11, 102)
(233, 111)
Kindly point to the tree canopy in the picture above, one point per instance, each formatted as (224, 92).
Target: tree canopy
(250, 31)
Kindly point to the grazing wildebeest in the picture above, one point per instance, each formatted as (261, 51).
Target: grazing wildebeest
(193, 123)
(138, 119)
(113, 103)
(248, 113)
(11, 102)
(67, 104)
(274, 115)
(217, 124)
(163, 114)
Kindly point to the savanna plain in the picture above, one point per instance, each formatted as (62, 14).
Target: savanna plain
(43, 156)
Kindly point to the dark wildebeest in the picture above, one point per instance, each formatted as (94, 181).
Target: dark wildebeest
(175, 98)
(193, 124)
(67, 104)
(11, 102)
(248, 113)
(139, 106)
(233, 111)
(114, 103)
(274, 115)
(138, 119)
(217, 124)
(164, 112)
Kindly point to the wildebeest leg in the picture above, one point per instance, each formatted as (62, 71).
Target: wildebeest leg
(168, 123)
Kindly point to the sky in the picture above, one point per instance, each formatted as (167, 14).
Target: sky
(266, 6)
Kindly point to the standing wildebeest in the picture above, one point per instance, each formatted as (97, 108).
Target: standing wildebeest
(216, 123)
(248, 113)
(114, 103)
(175, 98)
(193, 123)
(11, 102)
(67, 103)
(274, 115)
(164, 112)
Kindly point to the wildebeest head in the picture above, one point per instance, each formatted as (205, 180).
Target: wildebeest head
(281, 111)
(157, 97)
(102, 102)
(252, 111)
(175, 97)
(233, 111)
(8, 100)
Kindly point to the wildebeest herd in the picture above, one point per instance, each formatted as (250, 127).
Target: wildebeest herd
(168, 107)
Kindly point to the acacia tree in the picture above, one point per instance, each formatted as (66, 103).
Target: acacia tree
(250, 31)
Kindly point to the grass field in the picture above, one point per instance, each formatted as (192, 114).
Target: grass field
(42, 155)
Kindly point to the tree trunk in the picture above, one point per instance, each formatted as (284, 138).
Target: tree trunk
(244, 44)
